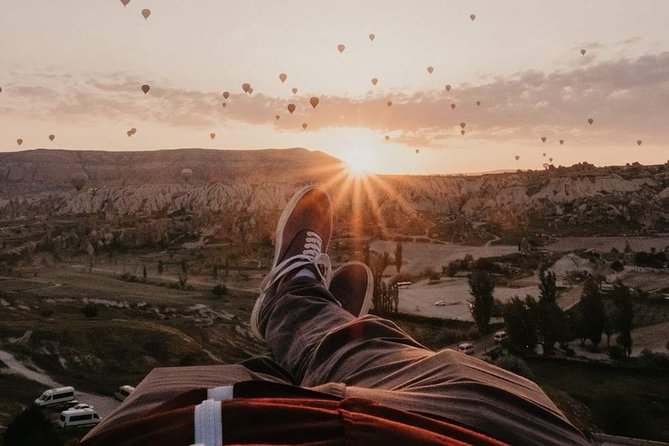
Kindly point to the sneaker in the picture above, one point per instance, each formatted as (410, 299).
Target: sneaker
(353, 286)
(302, 239)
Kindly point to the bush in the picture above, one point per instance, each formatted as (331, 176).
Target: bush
(620, 414)
(515, 365)
(127, 277)
(31, 428)
(617, 353)
(90, 310)
(617, 266)
(650, 259)
(651, 359)
(220, 290)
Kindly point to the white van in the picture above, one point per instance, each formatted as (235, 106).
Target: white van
(78, 417)
(500, 336)
(467, 348)
(55, 397)
(123, 392)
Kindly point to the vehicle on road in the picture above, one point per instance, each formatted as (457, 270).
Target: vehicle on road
(82, 406)
(55, 397)
(78, 417)
(123, 392)
(440, 303)
(500, 336)
(467, 348)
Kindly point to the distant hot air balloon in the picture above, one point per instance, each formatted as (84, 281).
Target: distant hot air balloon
(283, 77)
(146, 88)
(478, 103)
(251, 90)
(463, 124)
(472, 17)
(550, 160)
(133, 130)
(375, 81)
(430, 70)
(387, 137)
(543, 139)
(304, 126)
(246, 87)
(212, 136)
(341, 47)
(448, 87)
(314, 101)
(0, 89)
(52, 137)
(186, 174)
(638, 142)
(462, 132)
(562, 142)
(452, 106)
(372, 37)
(129, 133)
(19, 141)
(583, 52)
(544, 154)
(79, 180)
(277, 117)
(590, 121)
(417, 151)
(294, 90)
(389, 103)
(125, 2)
(291, 108)
(517, 157)
(224, 104)
(146, 13)
(226, 94)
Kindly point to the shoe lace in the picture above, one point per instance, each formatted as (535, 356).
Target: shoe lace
(312, 256)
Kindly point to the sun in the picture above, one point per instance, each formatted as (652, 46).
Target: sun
(356, 172)
(360, 163)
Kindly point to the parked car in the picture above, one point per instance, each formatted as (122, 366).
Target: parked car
(440, 303)
(78, 417)
(123, 392)
(467, 348)
(500, 336)
(55, 397)
(82, 406)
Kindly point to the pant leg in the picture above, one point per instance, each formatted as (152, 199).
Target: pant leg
(319, 342)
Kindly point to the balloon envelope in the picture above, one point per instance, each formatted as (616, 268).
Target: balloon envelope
(246, 87)
(478, 103)
(430, 69)
(304, 126)
(146, 13)
(417, 151)
(224, 104)
(590, 121)
(517, 157)
(463, 124)
(462, 132)
(387, 137)
(283, 77)
(314, 101)
(583, 52)
(146, 88)
(129, 133)
(52, 137)
(389, 103)
(277, 117)
(212, 135)
(125, 2)
(291, 108)
(226, 94)
(543, 139)
(472, 17)
(448, 87)
(375, 81)
(19, 141)
(638, 142)
(294, 90)
(561, 141)
(452, 106)
(341, 47)
(372, 37)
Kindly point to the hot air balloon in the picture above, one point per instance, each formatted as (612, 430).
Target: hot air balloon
(430, 70)
(389, 103)
(550, 160)
(590, 121)
(463, 124)
(277, 117)
(251, 90)
(517, 157)
(583, 52)
(375, 81)
(341, 47)
(133, 130)
(638, 142)
(146, 13)
(478, 103)
(462, 132)
(212, 136)
(291, 108)
(304, 126)
(0, 89)
(186, 174)
(562, 142)
(452, 106)
(372, 37)
(314, 101)
(417, 151)
(19, 141)
(129, 133)
(283, 77)
(294, 90)
(246, 87)
(544, 154)
(543, 139)
(224, 104)
(472, 17)
(52, 137)
(146, 88)
(79, 180)
(448, 87)
(387, 137)
(226, 94)
(125, 2)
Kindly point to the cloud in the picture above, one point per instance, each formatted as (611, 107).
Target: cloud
(627, 98)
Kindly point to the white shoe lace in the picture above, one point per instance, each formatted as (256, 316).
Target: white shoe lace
(312, 255)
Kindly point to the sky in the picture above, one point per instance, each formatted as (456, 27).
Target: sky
(74, 69)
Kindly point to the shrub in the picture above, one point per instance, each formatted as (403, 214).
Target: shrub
(219, 290)
(90, 310)
(617, 266)
(31, 427)
(649, 358)
(617, 353)
(514, 365)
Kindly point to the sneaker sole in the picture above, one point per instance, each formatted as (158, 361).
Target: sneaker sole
(278, 241)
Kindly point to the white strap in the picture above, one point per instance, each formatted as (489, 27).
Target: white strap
(221, 393)
(208, 427)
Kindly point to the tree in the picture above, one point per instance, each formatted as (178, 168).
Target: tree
(386, 297)
(592, 309)
(219, 290)
(31, 428)
(622, 298)
(398, 257)
(520, 323)
(481, 287)
(551, 320)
